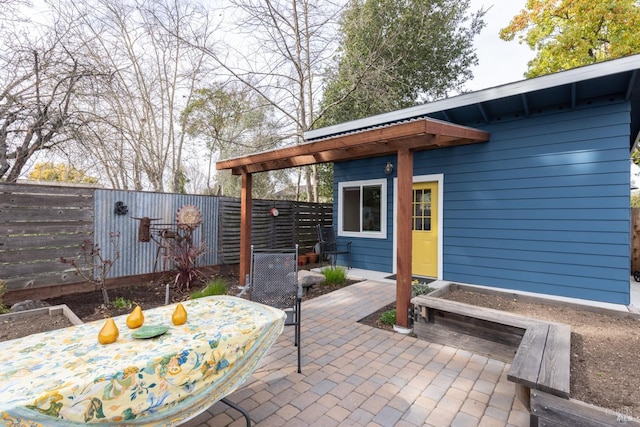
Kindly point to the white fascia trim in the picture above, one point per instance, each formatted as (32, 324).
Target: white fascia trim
(588, 72)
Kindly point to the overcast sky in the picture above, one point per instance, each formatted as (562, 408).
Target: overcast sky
(500, 62)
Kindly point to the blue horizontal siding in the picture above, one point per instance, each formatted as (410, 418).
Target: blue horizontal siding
(542, 236)
(589, 252)
(589, 194)
(537, 214)
(542, 207)
(560, 203)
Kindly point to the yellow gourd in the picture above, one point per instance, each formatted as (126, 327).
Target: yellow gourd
(179, 315)
(109, 332)
(136, 318)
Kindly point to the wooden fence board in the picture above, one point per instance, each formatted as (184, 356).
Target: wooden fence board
(31, 214)
(11, 229)
(47, 201)
(12, 188)
(45, 279)
(34, 268)
(40, 254)
(22, 242)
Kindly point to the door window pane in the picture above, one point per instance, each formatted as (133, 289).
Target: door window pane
(422, 209)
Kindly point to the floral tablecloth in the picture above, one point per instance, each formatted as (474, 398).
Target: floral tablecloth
(66, 377)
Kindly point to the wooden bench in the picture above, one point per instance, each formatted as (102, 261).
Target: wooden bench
(543, 360)
(542, 353)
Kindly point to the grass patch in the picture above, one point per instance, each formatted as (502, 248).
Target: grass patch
(214, 287)
(335, 275)
(389, 317)
(121, 302)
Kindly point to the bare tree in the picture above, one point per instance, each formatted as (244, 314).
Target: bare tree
(134, 131)
(280, 50)
(40, 76)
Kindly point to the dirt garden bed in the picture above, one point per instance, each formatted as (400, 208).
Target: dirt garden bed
(89, 306)
(604, 349)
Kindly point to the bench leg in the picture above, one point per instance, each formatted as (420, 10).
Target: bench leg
(523, 394)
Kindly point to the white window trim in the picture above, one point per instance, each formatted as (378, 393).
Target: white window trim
(383, 209)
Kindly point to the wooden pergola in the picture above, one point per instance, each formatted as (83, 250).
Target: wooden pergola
(401, 139)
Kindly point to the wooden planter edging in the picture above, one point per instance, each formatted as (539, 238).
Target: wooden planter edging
(541, 364)
(56, 310)
(551, 410)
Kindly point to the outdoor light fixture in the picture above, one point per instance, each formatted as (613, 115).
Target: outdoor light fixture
(388, 168)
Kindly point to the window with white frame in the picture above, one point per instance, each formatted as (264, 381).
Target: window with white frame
(362, 208)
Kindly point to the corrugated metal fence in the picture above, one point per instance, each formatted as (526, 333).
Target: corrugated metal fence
(39, 224)
(148, 257)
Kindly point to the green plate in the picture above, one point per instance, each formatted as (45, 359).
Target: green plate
(150, 331)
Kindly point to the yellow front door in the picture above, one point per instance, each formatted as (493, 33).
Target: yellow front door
(425, 229)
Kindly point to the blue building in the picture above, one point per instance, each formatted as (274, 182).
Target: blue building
(524, 186)
(541, 206)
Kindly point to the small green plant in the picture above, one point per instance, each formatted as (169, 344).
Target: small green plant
(335, 275)
(3, 289)
(122, 302)
(214, 287)
(420, 289)
(388, 317)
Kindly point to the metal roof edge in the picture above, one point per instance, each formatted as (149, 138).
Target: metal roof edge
(587, 72)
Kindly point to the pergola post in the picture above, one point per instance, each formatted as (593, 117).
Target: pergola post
(245, 226)
(404, 227)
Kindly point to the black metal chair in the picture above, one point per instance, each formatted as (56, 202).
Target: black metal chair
(273, 281)
(329, 246)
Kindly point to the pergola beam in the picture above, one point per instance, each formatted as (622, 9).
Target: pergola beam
(421, 134)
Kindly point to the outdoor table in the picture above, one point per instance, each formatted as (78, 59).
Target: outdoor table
(65, 377)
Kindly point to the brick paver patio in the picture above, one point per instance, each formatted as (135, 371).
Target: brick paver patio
(355, 375)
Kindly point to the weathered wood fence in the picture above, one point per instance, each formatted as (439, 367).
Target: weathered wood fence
(40, 224)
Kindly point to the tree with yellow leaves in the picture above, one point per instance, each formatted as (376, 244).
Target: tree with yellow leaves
(571, 33)
(48, 171)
